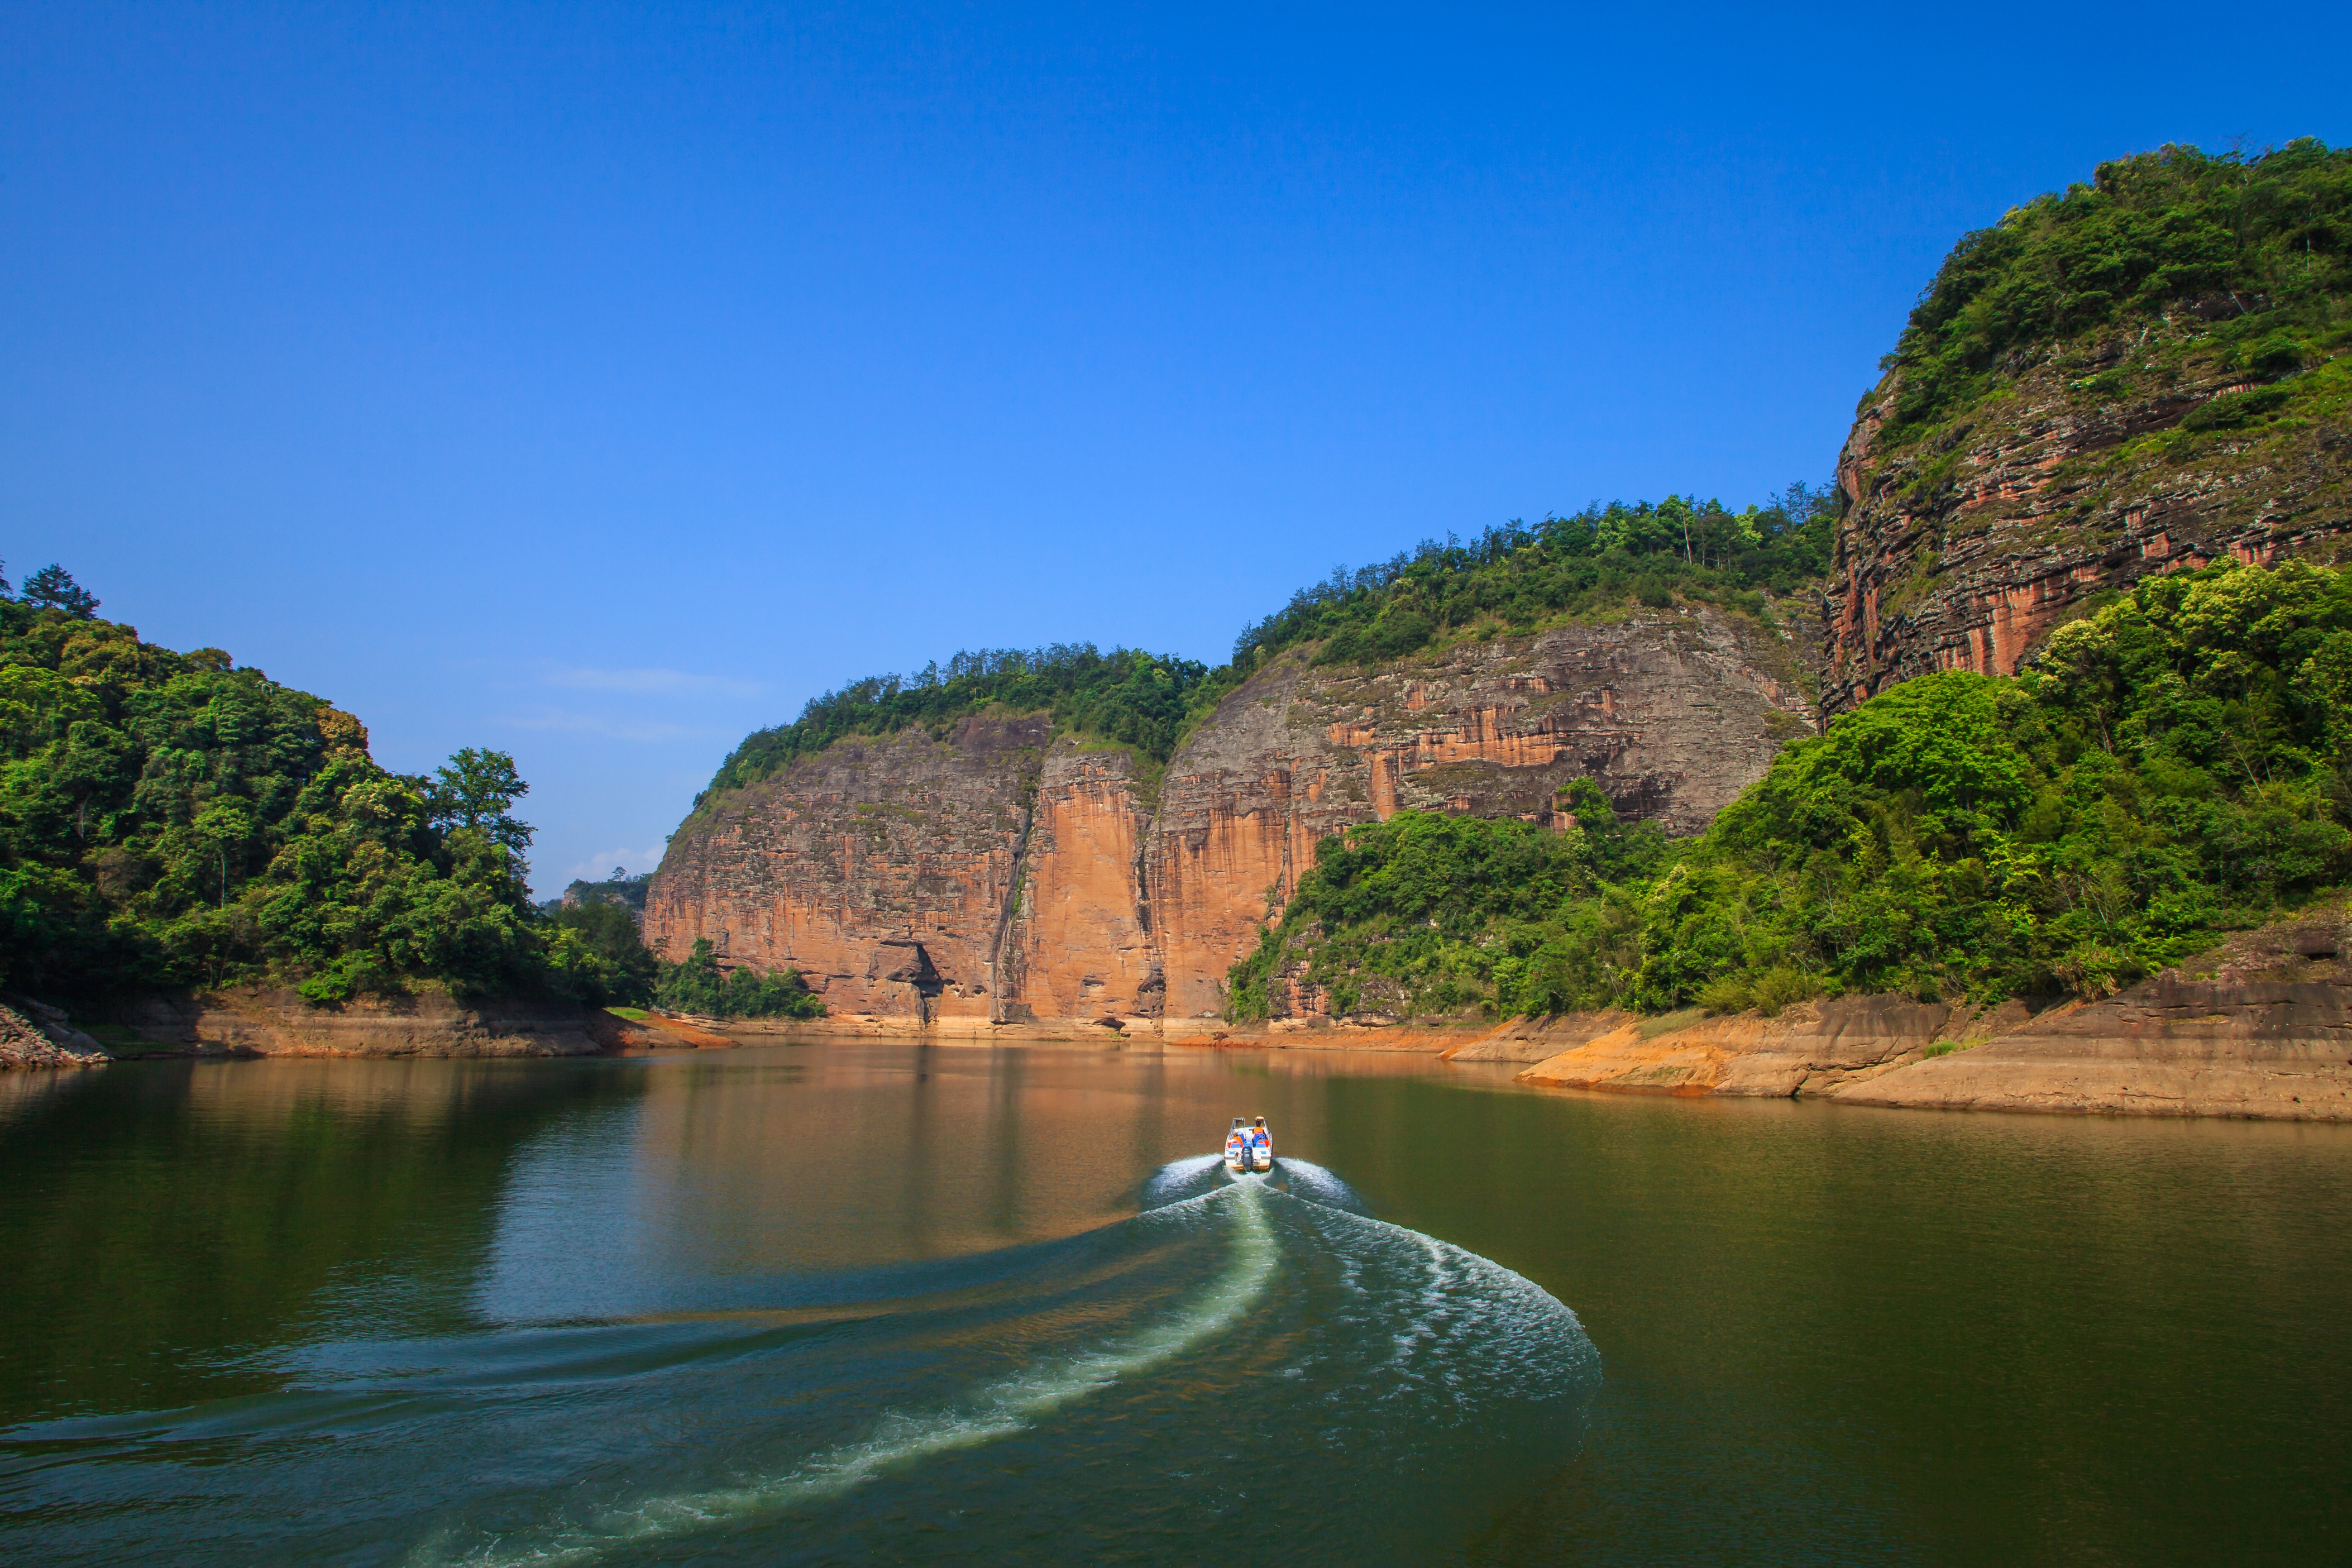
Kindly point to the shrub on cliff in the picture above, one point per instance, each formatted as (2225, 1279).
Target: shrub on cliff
(2174, 765)
(169, 819)
(2177, 764)
(697, 984)
(1431, 913)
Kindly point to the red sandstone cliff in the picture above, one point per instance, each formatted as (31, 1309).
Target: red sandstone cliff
(1963, 544)
(999, 875)
(880, 869)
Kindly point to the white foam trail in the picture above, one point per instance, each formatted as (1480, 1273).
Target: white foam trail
(1175, 1176)
(1309, 1180)
(1465, 1295)
(994, 1412)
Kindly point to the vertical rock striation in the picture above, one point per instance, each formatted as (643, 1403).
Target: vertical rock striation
(1079, 948)
(997, 875)
(879, 869)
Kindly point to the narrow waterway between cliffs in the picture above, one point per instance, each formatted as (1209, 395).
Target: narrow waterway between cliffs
(861, 1301)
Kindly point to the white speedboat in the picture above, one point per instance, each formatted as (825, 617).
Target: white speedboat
(1249, 1147)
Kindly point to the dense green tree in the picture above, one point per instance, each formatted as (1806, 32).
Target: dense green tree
(1125, 696)
(171, 820)
(53, 587)
(698, 985)
(609, 934)
(476, 790)
(1518, 577)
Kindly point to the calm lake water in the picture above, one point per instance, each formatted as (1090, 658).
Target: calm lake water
(849, 1302)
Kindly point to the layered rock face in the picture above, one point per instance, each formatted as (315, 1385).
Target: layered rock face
(1000, 876)
(1962, 547)
(1080, 946)
(881, 869)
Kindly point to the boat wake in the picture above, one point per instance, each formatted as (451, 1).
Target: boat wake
(993, 1412)
(1247, 1351)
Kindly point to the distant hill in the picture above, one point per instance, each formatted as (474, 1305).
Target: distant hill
(620, 888)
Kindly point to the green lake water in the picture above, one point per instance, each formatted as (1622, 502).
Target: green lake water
(852, 1303)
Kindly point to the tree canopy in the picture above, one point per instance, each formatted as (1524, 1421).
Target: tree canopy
(2250, 253)
(1125, 695)
(171, 820)
(1519, 576)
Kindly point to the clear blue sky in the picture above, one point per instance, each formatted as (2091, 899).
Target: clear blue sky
(601, 383)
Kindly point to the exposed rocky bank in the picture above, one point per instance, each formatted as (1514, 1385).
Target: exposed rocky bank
(34, 1036)
(254, 1023)
(2259, 1028)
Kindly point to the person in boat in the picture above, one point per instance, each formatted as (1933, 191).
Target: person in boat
(1261, 1140)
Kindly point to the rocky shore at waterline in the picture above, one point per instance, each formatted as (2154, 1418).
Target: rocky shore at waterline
(262, 1023)
(33, 1036)
(2261, 1026)
(2258, 1027)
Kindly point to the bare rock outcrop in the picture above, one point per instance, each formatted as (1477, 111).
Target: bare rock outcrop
(1962, 546)
(1811, 1049)
(427, 1023)
(1527, 1040)
(1079, 944)
(882, 870)
(2261, 1026)
(34, 1036)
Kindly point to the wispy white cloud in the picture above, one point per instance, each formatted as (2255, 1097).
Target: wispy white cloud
(648, 731)
(646, 682)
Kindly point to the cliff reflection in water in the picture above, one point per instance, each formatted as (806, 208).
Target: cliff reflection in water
(771, 1163)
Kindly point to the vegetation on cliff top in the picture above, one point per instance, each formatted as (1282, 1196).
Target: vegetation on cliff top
(698, 984)
(620, 888)
(1126, 695)
(170, 820)
(2177, 764)
(2250, 257)
(1515, 577)
(1518, 576)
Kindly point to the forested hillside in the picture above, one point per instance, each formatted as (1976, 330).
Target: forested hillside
(2175, 765)
(1519, 577)
(170, 820)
